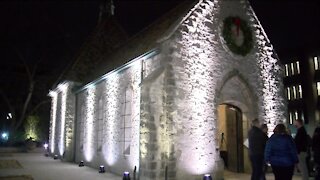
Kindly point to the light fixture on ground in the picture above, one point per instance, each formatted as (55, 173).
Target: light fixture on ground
(55, 156)
(45, 145)
(126, 176)
(207, 177)
(81, 164)
(101, 169)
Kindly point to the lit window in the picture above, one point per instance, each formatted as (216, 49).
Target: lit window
(289, 93)
(294, 115)
(298, 67)
(302, 115)
(316, 63)
(294, 92)
(318, 88)
(300, 91)
(287, 69)
(292, 69)
(126, 126)
(290, 118)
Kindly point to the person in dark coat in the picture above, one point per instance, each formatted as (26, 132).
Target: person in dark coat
(281, 153)
(316, 151)
(301, 141)
(257, 142)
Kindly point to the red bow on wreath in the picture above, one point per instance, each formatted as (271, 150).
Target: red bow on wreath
(237, 22)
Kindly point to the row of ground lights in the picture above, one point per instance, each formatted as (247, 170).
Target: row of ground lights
(126, 174)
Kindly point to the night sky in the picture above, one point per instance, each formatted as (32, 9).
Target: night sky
(49, 33)
(60, 27)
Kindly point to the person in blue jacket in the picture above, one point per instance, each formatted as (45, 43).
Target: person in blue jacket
(281, 153)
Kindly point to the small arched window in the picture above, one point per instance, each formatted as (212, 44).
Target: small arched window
(100, 124)
(82, 124)
(126, 124)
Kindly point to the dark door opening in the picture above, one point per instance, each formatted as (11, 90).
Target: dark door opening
(231, 140)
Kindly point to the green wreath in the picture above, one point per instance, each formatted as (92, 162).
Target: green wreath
(246, 46)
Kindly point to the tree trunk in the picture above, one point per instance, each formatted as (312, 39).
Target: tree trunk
(25, 106)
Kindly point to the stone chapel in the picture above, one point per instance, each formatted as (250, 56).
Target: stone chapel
(173, 102)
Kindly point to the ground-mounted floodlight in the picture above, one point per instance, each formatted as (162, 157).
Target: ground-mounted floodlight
(126, 175)
(55, 156)
(207, 177)
(101, 169)
(45, 145)
(81, 164)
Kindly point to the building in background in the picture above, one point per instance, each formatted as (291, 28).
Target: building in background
(302, 86)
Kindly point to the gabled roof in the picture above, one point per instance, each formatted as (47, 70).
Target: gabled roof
(144, 41)
(105, 38)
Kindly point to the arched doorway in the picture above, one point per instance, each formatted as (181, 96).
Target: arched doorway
(236, 107)
(231, 140)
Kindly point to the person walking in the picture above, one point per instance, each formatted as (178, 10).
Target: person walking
(281, 153)
(316, 151)
(301, 141)
(257, 142)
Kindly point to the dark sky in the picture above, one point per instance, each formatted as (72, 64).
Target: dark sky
(290, 25)
(58, 28)
(48, 33)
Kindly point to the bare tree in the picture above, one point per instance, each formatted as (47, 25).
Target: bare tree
(19, 112)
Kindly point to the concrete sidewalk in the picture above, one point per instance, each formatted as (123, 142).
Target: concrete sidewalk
(237, 176)
(46, 168)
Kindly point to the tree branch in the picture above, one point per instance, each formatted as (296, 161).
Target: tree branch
(38, 106)
(30, 90)
(25, 106)
(11, 109)
(22, 59)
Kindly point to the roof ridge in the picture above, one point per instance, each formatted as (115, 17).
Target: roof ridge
(160, 19)
(87, 43)
(146, 39)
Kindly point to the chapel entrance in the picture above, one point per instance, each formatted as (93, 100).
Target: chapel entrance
(231, 137)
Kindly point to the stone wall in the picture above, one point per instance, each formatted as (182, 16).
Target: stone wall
(174, 99)
(69, 123)
(100, 121)
(61, 137)
(193, 81)
(156, 142)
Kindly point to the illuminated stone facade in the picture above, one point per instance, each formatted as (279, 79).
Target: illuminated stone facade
(158, 113)
(61, 139)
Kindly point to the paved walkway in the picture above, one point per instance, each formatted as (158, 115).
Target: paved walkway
(237, 176)
(45, 168)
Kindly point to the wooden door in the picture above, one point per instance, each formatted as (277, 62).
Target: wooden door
(232, 139)
(235, 139)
